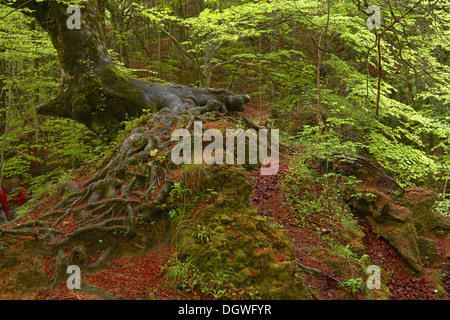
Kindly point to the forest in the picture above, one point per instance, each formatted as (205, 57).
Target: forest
(224, 150)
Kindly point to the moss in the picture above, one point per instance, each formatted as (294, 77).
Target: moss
(242, 241)
(338, 266)
(112, 76)
(428, 249)
(436, 277)
(380, 294)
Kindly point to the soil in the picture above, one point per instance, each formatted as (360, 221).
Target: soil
(139, 277)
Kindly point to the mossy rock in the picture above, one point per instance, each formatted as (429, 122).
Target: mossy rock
(428, 249)
(420, 202)
(240, 240)
(367, 201)
(436, 277)
(403, 237)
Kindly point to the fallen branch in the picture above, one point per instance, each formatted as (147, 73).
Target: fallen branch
(368, 163)
(317, 271)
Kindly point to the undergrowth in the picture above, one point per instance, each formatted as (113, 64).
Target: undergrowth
(318, 203)
(200, 285)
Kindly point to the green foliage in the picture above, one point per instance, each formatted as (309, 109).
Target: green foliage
(179, 193)
(178, 271)
(318, 203)
(178, 214)
(200, 232)
(275, 44)
(442, 206)
(354, 285)
(270, 42)
(215, 284)
(210, 193)
(38, 149)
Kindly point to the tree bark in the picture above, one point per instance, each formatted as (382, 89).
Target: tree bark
(93, 91)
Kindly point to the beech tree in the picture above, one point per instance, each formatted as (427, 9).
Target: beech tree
(93, 91)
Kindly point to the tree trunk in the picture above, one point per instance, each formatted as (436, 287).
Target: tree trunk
(210, 50)
(37, 132)
(118, 23)
(93, 91)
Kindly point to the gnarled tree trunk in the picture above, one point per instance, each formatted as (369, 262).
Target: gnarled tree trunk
(93, 91)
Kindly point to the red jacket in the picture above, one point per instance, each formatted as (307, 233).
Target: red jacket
(4, 202)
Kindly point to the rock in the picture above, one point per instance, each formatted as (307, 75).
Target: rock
(428, 248)
(420, 202)
(369, 202)
(435, 276)
(376, 204)
(402, 237)
(442, 222)
(392, 221)
(259, 255)
(396, 212)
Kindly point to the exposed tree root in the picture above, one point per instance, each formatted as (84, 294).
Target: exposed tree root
(106, 197)
(24, 232)
(32, 223)
(97, 231)
(100, 261)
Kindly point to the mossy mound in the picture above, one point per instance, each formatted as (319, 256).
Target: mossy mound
(234, 237)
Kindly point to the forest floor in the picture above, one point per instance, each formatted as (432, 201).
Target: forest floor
(268, 199)
(137, 273)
